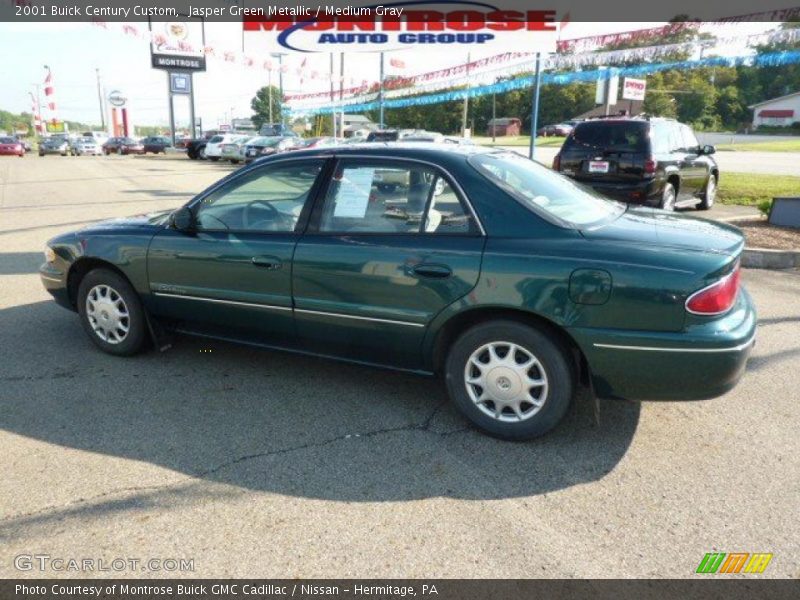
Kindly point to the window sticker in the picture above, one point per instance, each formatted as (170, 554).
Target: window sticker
(352, 198)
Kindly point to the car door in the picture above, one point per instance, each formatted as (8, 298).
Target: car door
(379, 262)
(696, 167)
(231, 274)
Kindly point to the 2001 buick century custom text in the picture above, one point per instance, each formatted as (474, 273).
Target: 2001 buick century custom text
(513, 282)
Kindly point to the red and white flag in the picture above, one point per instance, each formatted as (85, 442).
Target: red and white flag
(397, 63)
(49, 93)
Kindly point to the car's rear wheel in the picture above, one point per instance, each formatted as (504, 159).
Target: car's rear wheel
(111, 313)
(510, 380)
(213, 158)
(668, 197)
(202, 153)
(710, 193)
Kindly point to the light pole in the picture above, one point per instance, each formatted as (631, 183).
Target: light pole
(535, 107)
(100, 101)
(380, 96)
(279, 56)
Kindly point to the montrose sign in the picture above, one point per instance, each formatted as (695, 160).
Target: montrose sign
(403, 25)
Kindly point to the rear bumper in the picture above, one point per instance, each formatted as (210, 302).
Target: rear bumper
(701, 362)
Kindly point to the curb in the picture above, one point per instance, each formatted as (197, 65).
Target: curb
(764, 258)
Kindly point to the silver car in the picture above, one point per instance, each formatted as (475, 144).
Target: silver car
(86, 146)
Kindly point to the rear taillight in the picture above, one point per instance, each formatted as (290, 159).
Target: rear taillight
(557, 162)
(650, 166)
(716, 298)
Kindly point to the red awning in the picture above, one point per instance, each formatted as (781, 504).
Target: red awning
(776, 113)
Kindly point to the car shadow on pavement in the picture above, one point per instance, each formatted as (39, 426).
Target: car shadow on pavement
(276, 422)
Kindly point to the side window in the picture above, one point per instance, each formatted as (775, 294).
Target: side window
(390, 197)
(659, 138)
(269, 199)
(690, 142)
(675, 138)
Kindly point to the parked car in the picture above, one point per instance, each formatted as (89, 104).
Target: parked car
(86, 146)
(26, 145)
(55, 144)
(657, 162)
(123, 145)
(558, 129)
(315, 142)
(276, 130)
(100, 137)
(157, 144)
(424, 136)
(511, 281)
(267, 145)
(10, 146)
(213, 149)
(233, 150)
(388, 135)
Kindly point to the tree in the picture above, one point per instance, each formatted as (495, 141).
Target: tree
(260, 105)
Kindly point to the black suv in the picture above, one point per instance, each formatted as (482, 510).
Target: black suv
(651, 161)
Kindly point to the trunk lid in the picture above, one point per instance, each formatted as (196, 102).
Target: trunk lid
(654, 227)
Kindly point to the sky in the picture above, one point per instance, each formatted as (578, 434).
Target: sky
(75, 50)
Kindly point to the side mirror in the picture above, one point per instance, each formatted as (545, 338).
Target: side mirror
(182, 219)
(708, 149)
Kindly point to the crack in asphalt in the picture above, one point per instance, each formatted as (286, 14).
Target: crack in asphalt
(423, 426)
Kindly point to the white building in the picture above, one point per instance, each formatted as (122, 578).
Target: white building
(779, 112)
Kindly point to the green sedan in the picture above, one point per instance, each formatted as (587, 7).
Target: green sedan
(513, 283)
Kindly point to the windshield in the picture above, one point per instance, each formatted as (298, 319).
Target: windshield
(7, 140)
(543, 191)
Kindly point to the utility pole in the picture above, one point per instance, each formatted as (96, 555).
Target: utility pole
(100, 101)
(341, 91)
(333, 111)
(535, 107)
(494, 114)
(269, 92)
(279, 56)
(380, 96)
(466, 102)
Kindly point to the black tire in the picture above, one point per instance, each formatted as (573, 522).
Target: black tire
(213, 158)
(553, 363)
(668, 197)
(136, 336)
(709, 193)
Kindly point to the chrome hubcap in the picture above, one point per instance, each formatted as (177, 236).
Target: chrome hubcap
(108, 314)
(506, 381)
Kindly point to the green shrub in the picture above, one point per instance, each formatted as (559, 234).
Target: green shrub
(764, 207)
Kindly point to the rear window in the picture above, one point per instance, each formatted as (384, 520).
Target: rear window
(617, 136)
(544, 192)
(216, 139)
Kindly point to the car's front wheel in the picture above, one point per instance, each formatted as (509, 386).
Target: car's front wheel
(111, 313)
(510, 380)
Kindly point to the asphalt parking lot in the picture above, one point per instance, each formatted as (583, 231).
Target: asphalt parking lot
(262, 464)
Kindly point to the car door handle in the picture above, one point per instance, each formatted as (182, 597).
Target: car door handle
(432, 271)
(271, 263)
